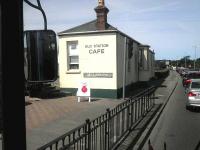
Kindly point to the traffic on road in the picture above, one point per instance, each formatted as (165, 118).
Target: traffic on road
(191, 83)
(178, 128)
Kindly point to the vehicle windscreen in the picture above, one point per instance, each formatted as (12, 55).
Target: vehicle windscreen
(195, 85)
(193, 76)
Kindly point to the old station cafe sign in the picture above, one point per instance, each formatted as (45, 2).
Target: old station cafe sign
(96, 48)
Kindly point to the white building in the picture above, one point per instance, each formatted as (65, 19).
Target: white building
(94, 52)
(146, 62)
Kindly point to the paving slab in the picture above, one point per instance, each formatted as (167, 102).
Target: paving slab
(50, 118)
(163, 96)
(47, 119)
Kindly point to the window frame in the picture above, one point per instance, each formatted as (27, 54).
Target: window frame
(70, 55)
(141, 59)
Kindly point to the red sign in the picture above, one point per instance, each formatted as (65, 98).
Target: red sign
(84, 89)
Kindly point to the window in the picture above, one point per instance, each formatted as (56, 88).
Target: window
(195, 85)
(129, 65)
(141, 55)
(73, 55)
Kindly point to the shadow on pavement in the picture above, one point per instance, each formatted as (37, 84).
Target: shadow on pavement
(198, 146)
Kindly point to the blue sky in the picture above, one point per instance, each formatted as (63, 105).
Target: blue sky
(170, 27)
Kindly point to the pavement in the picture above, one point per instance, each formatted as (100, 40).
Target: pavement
(139, 134)
(163, 95)
(47, 119)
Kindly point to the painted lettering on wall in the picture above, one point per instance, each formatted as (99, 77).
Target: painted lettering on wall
(96, 48)
(97, 75)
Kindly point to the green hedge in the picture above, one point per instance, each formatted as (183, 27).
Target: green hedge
(161, 73)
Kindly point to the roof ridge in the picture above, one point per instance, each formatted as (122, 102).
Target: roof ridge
(88, 26)
(77, 26)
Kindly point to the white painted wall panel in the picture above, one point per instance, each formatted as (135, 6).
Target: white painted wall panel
(103, 61)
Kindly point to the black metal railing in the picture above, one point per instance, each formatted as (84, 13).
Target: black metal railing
(104, 132)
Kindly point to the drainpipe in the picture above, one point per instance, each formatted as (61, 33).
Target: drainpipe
(124, 70)
(138, 63)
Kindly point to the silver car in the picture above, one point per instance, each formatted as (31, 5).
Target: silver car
(193, 93)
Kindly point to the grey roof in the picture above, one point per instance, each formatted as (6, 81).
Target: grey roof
(89, 26)
(145, 45)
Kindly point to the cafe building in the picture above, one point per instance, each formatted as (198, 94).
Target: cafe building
(103, 56)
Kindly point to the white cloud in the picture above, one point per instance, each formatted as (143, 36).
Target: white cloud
(157, 8)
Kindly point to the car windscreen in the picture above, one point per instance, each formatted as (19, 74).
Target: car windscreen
(195, 85)
(194, 76)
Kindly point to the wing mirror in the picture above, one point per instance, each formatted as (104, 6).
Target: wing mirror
(40, 56)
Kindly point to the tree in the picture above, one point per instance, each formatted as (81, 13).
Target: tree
(185, 62)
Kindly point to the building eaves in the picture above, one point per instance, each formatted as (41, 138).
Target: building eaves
(122, 33)
(86, 27)
(145, 45)
(90, 28)
(152, 51)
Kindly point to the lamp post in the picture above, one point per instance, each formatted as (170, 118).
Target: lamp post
(195, 47)
(185, 62)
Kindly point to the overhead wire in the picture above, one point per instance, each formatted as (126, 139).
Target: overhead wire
(39, 7)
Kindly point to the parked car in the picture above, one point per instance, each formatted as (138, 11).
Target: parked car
(193, 94)
(184, 72)
(190, 75)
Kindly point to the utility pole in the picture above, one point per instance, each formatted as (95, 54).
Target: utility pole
(185, 62)
(124, 69)
(195, 47)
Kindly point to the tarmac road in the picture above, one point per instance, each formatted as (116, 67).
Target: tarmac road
(178, 127)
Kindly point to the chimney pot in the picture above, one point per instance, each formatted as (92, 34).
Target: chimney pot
(101, 12)
(101, 2)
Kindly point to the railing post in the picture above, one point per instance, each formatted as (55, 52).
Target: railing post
(128, 114)
(141, 102)
(117, 128)
(154, 96)
(136, 109)
(146, 102)
(108, 128)
(149, 99)
(132, 112)
(141, 106)
(88, 130)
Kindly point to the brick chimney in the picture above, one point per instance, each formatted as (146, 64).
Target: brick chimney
(101, 12)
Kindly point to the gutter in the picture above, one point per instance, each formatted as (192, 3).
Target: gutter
(87, 32)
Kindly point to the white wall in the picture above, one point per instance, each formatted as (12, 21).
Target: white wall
(147, 71)
(132, 76)
(104, 62)
(120, 59)
(152, 64)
